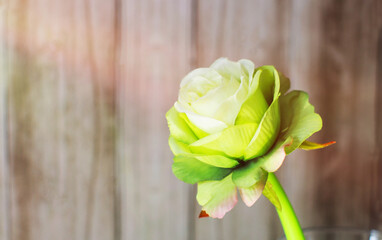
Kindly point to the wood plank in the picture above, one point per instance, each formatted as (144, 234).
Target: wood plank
(155, 55)
(376, 210)
(4, 164)
(61, 119)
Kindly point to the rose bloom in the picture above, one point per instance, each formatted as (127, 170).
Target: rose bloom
(232, 124)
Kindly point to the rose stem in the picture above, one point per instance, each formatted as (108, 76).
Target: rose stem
(288, 218)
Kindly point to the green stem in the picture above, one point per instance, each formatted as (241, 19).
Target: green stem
(289, 221)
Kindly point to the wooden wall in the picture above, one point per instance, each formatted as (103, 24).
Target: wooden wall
(84, 86)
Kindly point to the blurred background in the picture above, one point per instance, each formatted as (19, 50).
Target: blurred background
(85, 85)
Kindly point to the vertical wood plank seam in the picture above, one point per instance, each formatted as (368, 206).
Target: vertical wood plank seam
(97, 141)
(193, 64)
(376, 202)
(6, 164)
(117, 157)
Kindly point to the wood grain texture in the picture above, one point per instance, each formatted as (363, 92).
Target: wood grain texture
(85, 85)
(342, 81)
(155, 54)
(376, 210)
(328, 49)
(61, 127)
(4, 164)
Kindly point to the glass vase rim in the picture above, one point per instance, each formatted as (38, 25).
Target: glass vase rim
(374, 234)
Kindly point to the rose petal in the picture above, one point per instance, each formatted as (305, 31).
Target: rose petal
(227, 68)
(232, 141)
(179, 129)
(274, 159)
(208, 73)
(265, 134)
(217, 197)
(249, 174)
(217, 160)
(269, 82)
(178, 147)
(251, 194)
(209, 104)
(230, 107)
(206, 124)
(298, 118)
(250, 114)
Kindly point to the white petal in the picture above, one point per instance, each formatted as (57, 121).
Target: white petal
(206, 124)
(227, 68)
(230, 108)
(209, 104)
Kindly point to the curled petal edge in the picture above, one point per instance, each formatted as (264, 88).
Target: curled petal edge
(274, 159)
(252, 194)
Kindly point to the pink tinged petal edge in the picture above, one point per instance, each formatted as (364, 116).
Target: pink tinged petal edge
(251, 194)
(225, 206)
(276, 159)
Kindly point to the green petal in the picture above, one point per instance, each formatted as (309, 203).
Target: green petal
(298, 120)
(253, 109)
(197, 131)
(284, 84)
(178, 147)
(231, 142)
(246, 176)
(250, 195)
(190, 170)
(217, 161)
(179, 129)
(217, 197)
(269, 82)
(265, 134)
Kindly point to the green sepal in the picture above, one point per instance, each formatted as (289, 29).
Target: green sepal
(269, 193)
(306, 145)
(248, 175)
(191, 170)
